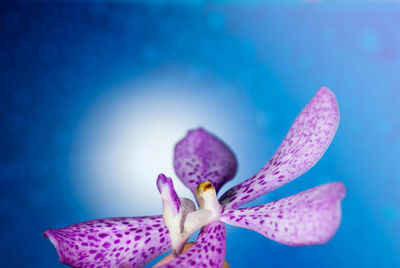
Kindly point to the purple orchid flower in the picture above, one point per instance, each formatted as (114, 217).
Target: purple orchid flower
(204, 164)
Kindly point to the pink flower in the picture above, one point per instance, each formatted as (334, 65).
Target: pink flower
(204, 163)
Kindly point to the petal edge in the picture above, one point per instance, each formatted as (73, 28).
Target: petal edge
(306, 141)
(112, 242)
(201, 156)
(311, 217)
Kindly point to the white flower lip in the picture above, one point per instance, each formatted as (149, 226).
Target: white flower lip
(188, 219)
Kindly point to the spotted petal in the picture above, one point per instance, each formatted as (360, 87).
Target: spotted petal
(175, 211)
(208, 251)
(168, 195)
(307, 218)
(112, 242)
(201, 157)
(305, 143)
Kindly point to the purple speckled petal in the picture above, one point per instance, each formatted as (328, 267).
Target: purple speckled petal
(307, 218)
(169, 196)
(304, 144)
(113, 242)
(208, 251)
(201, 157)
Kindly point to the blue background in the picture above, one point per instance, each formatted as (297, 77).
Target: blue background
(242, 71)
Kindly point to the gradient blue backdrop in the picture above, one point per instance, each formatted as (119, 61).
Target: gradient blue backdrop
(248, 69)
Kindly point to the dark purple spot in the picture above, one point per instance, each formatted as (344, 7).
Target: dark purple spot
(103, 235)
(99, 255)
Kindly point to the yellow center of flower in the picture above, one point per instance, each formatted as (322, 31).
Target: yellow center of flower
(203, 187)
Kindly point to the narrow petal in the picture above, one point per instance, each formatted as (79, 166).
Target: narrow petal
(304, 144)
(307, 218)
(168, 194)
(201, 157)
(112, 242)
(208, 251)
(175, 211)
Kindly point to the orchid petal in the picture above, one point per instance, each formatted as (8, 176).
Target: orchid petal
(305, 143)
(175, 212)
(201, 156)
(112, 242)
(208, 251)
(169, 197)
(307, 218)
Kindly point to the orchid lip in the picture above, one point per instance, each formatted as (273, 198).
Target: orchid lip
(181, 217)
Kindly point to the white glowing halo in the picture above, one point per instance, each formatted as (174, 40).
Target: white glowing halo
(127, 139)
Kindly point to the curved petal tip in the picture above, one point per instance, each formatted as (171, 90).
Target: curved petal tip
(306, 141)
(201, 156)
(311, 217)
(53, 239)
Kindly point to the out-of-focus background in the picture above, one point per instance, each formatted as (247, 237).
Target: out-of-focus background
(94, 95)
